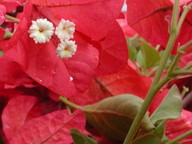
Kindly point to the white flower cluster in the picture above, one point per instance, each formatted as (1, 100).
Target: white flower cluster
(42, 30)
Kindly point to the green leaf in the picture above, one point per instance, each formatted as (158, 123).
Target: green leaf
(1, 53)
(160, 130)
(171, 106)
(7, 35)
(133, 45)
(113, 116)
(148, 139)
(149, 55)
(140, 59)
(80, 138)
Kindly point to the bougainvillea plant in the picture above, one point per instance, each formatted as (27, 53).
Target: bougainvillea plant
(85, 72)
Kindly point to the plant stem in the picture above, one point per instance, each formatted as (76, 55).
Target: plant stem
(182, 72)
(187, 67)
(154, 89)
(136, 123)
(180, 51)
(68, 103)
(183, 15)
(173, 141)
(170, 44)
(12, 18)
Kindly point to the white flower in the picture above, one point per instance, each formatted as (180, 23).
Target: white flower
(65, 30)
(66, 49)
(41, 30)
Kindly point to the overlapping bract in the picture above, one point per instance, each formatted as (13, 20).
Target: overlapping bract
(101, 49)
(27, 67)
(32, 76)
(152, 19)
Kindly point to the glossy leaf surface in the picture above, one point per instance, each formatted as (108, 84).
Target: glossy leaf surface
(113, 116)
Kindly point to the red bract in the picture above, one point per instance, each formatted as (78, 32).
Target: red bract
(60, 123)
(2, 32)
(2, 13)
(185, 60)
(12, 76)
(11, 4)
(101, 46)
(51, 128)
(179, 126)
(152, 20)
(125, 81)
(15, 114)
(102, 29)
(128, 31)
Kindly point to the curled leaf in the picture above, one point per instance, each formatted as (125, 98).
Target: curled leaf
(113, 116)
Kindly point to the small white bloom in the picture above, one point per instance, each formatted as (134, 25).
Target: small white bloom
(66, 49)
(41, 30)
(65, 30)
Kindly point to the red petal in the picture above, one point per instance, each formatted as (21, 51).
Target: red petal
(2, 13)
(11, 4)
(53, 128)
(61, 2)
(152, 20)
(11, 74)
(41, 62)
(157, 100)
(98, 24)
(114, 51)
(176, 127)
(128, 31)
(186, 59)
(15, 113)
(125, 81)
(2, 32)
(149, 20)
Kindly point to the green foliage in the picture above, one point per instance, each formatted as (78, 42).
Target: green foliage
(148, 56)
(113, 116)
(171, 106)
(160, 129)
(80, 138)
(133, 45)
(140, 52)
(148, 139)
(1, 53)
